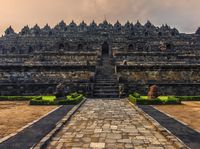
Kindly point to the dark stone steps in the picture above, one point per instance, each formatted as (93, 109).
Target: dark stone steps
(106, 82)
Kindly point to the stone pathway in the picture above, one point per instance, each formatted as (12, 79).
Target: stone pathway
(108, 124)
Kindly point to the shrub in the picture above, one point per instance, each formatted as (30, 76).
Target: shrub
(75, 97)
(72, 99)
(149, 102)
(37, 98)
(158, 101)
(132, 99)
(137, 95)
(40, 101)
(173, 100)
(68, 102)
(188, 98)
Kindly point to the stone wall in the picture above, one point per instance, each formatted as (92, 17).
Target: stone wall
(178, 89)
(162, 75)
(153, 55)
(35, 89)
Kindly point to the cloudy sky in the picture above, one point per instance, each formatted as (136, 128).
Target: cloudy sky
(182, 14)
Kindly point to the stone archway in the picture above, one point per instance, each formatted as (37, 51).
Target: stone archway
(105, 49)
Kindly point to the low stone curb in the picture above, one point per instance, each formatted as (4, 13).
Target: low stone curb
(44, 142)
(26, 126)
(166, 133)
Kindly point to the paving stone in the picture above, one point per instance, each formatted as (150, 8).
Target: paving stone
(114, 136)
(97, 145)
(129, 146)
(109, 124)
(97, 130)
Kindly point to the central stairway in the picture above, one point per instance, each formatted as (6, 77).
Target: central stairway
(106, 83)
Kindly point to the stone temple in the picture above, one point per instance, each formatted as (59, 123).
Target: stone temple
(101, 60)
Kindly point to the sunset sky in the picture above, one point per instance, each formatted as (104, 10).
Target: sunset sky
(182, 14)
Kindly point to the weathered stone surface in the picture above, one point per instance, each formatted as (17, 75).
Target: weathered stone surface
(143, 55)
(97, 145)
(124, 127)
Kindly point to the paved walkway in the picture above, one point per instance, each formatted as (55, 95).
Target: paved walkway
(108, 124)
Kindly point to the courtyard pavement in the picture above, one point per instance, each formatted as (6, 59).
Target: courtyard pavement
(113, 124)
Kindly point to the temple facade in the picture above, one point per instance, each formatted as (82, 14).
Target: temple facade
(101, 60)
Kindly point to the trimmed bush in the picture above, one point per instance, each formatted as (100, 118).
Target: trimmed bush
(188, 98)
(67, 102)
(136, 95)
(132, 99)
(163, 100)
(72, 99)
(77, 97)
(74, 95)
(40, 101)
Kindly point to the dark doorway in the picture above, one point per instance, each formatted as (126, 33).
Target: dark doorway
(61, 46)
(168, 46)
(130, 47)
(80, 47)
(105, 48)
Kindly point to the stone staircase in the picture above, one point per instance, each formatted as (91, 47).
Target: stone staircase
(106, 82)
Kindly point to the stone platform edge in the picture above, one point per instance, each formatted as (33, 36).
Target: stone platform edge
(166, 133)
(44, 142)
(26, 126)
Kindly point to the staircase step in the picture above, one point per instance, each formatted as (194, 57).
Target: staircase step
(107, 79)
(106, 95)
(106, 87)
(106, 91)
(106, 82)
